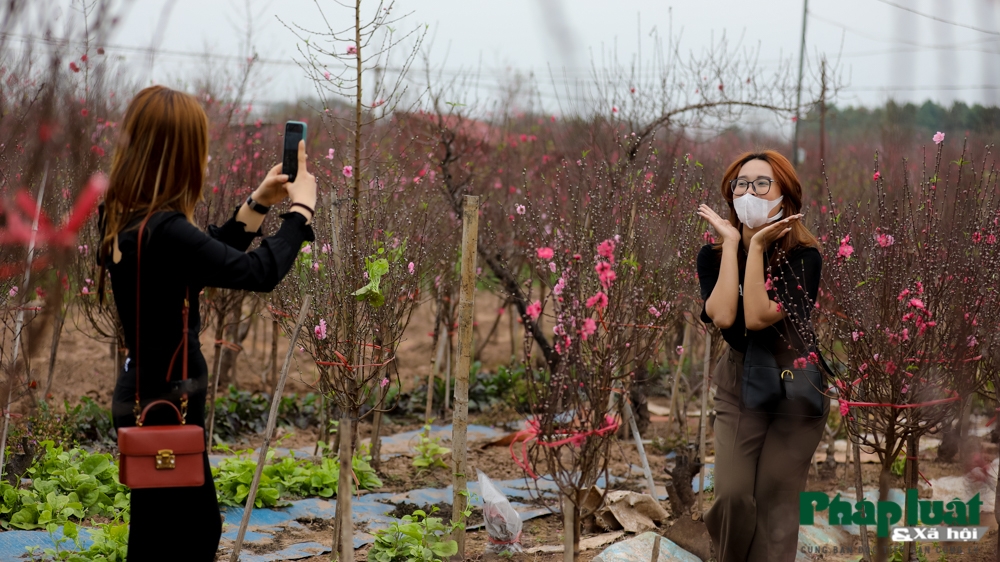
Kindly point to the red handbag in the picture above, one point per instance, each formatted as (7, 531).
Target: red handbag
(161, 456)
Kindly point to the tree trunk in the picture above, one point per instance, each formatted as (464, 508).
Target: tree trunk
(56, 335)
(344, 528)
(882, 544)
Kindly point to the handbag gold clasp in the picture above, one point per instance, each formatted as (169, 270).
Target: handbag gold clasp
(791, 375)
(165, 460)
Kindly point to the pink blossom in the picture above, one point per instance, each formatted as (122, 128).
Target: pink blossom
(589, 327)
(903, 294)
(74, 67)
(83, 249)
(844, 407)
(605, 273)
(325, 248)
(917, 303)
(13, 291)
(410, 267)
(972, 341)
(991, 239)
(534, 310)
(799, 363)
(326, 75)
(856, 335)
(329, 155)
(384, 382)
(352, 50)
(905, 388)
(768, 283)
(552, 266)
(846, 249)
(307, 249)
(654, 312)
(85, 291)
(545, 253)
(520, 209)
(600, 300)
(680, 350)
(348, 171)
(614, 109)
(606, 249)
(884, 240)
(560, 286)
(938, 137)
(876, 176)
(320, 330)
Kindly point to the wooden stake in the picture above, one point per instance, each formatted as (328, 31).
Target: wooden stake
(650, 484)
(272, 421)
(460, 421)
(435, 369)
(675, 405)
(344, 488)
(656, 549)
(704, 406)
(569, 525)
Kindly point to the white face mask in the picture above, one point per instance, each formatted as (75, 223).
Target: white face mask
(752, 210)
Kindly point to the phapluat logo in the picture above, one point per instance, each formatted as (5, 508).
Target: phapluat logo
(955, 521)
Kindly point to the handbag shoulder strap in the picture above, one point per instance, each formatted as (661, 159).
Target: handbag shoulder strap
(184, 339)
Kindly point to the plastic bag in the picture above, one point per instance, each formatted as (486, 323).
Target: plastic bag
(503, 524)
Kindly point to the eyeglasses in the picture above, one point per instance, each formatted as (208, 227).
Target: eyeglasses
(760, 186)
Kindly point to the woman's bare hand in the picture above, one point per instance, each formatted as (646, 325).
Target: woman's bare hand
(774, 231)
(726, 230)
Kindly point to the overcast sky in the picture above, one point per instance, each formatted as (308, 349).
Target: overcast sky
(885, 51)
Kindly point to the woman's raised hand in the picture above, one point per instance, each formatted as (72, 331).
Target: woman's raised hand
(272, 190)
(767, 235)
(303, 189)
(726, 230)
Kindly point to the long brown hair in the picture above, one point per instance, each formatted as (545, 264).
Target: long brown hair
(159, 162)
(791, 204)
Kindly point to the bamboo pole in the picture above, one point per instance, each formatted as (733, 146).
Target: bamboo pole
(19, 323)
(704, 406)
(272, 421)
(460, 421)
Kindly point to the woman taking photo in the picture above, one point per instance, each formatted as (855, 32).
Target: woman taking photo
(759, 283)
(156, 181)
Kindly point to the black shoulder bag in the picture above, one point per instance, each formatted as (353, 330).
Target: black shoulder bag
(770, 387)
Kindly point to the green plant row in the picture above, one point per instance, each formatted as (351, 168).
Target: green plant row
(240, 412)
(286, 478)
(65, 485)
(417, 538)
(110, 544)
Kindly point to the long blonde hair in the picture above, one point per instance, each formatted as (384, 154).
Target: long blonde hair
(159, 162)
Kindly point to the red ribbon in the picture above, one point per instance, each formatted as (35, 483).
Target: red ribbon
(574, 437)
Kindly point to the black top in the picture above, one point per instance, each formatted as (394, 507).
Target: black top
(794, 284)
(176, 255)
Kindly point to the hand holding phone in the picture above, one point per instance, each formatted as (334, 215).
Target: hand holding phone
(295, 131)
(303, 189)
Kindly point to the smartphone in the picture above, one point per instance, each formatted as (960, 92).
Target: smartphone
(294, 132)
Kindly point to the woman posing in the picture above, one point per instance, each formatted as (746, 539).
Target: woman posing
(759, 283)
(156, 181)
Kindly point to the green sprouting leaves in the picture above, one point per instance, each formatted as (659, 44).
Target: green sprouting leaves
(65, 485)
(430, 451)
(288, 477)
(376, 268)
(418, 538)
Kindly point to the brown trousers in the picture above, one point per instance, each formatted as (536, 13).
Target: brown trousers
(761, 465)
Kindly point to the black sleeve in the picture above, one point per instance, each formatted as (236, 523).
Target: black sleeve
(204, 260)
(797, 285)
(708, 275)
(233, 233)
